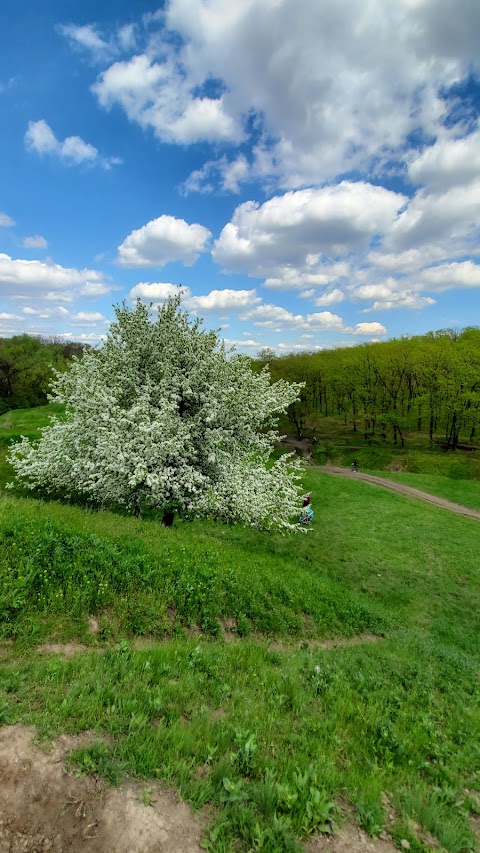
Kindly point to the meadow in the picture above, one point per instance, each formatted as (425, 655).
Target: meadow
(284, 683)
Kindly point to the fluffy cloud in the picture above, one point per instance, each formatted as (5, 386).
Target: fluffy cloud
(243, 343)
(223, 301)
(435, 217)
(366, 329)
(36, 242)
(391, 293)
(6, 221)
(96, 288)
(448, 276)
(86, 37)
(449, 162)
(59, 311)
(156, 291)
(4, 315)
(295, 229)
(271, 316)
(44, 278)
(224, 174)
(73, 150)
(406, 291)
(87, 318)
(407, 261)
(333, 297)
(332, 87)
(160, 96)
(163, 240)
(317, 273)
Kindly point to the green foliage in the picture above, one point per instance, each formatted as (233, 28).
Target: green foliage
(26, 368)
(426, 385)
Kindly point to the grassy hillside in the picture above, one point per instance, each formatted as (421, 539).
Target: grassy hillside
(463, 492)
(214, 675)
(18, 422)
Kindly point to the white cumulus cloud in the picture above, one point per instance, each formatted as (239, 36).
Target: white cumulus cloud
(296, 229)
(85, 36)
(73, 149)
(458, 274)
(163, 240)
(159, 95)
(331, 87)
(36, 242)
(435, 217)
(20, 277)
(332, 297)
(158, 291)
(369, 329)
(223, 301)
(4, 315)
(449, 162)
(87, 318)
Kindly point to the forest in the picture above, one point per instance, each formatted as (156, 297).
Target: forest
(428, 384)
(26, 364)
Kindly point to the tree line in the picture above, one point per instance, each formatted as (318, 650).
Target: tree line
(26, 368)
(427, 384)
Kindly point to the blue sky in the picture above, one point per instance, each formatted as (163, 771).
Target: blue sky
(308, 172)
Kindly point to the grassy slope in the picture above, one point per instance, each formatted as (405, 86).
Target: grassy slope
(20, 422)
(271, 738)
(464, 492)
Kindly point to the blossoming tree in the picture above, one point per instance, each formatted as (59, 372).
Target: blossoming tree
(162, 416)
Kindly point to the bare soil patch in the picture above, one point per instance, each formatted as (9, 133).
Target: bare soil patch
(349, 839)
(44, 808)
(68, 650)
(339, 643)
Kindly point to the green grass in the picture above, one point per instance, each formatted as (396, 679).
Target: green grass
(18, 422)
(463, 492)
(272, 739)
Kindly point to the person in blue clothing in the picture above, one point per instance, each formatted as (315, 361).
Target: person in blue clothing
(307, 513)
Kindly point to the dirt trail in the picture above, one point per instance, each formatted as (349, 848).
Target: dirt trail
(303, 447)
(349, 839)
(45, 810)
(400, 488)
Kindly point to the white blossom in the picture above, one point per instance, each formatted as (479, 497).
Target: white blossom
(163, 417)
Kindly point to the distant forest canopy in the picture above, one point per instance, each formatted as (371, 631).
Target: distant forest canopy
(427, 385)
(26, 364)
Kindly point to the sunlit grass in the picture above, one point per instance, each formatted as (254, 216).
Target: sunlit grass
(273, 737)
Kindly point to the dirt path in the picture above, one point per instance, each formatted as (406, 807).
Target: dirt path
(303, 447)
(44, 809)
(400, 488)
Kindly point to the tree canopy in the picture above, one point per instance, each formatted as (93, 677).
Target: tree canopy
(26, 364)
(428, 384)
(163, 417)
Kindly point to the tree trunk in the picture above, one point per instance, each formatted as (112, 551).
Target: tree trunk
(168, 517)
